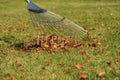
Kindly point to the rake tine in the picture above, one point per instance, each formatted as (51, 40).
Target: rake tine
(48, 23)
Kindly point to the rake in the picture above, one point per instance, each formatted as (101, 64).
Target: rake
(49, 23)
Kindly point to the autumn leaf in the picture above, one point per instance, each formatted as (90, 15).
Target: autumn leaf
(70, 68)
(47, 63)
(112, 69)
(10, 78)
(79, 66)
(95, 43)
(90, 69)
(88, 60)
(99, 42)
(8, 74)
(101, 73)
(82, 76)
(0, 78)
(17, 63)
(82, 52)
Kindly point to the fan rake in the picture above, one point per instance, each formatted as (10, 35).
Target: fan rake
(50, 25)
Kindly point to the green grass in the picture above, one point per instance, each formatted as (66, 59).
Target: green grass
(99, 15)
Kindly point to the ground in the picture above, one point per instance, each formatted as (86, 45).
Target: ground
(98, 59)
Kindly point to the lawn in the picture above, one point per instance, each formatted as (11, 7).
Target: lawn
(100, 62)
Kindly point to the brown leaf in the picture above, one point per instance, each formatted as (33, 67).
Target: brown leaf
(88, 60)
(17, 63)
(101, 73)
(47, 63)
(0, 78)
(90, 69)
(10, 78)
(8, 74)
(70, 68)
(95, 43)
(82, 52)
(103, 78)
(112, 69)
(79, 66)
(82, 76)
(99, 42)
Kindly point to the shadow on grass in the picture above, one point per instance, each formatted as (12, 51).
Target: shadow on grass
(12, 41)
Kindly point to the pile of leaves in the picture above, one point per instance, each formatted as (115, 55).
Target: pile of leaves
(52, 43)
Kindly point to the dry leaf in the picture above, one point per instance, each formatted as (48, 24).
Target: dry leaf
(90, 69)
(79, 66)
(10, 78)
(99, 42)
(101, 73)
(8, 74)
(112, 69)
(103, 78)
(47, 63)
(0, 78)
(82, 76)
(82, 52)
(70, 68)
(95, 43)
(88, 60)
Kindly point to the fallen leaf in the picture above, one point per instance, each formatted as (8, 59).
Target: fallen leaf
(8, 74)
(88, 60)
(82, 76)
(112, 69)
(90, 69)
(103, 78)
(10, 78)
(82, 52)
(99, 42)
(70, 68)
(101, 73)
(117, 60)
(47, 63)
(79, 66)
(0, 78)
(95, 43)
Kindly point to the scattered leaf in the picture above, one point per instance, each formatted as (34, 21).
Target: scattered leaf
(101, 73)
(82, 76)
(82, 52)
(112, 69)
(10, 78)
(103, 78)
(95, 43)
(79, 66)
(8, 74)
(70, 68)
(47, 63)
(88, 60)
(0, 78)
(90, 69)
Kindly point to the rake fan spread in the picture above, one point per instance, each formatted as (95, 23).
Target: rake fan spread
(48, 23)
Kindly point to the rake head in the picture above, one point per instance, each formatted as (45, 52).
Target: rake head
(47, 22)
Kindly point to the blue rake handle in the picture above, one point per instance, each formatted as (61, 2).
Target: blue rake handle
(34, 8)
